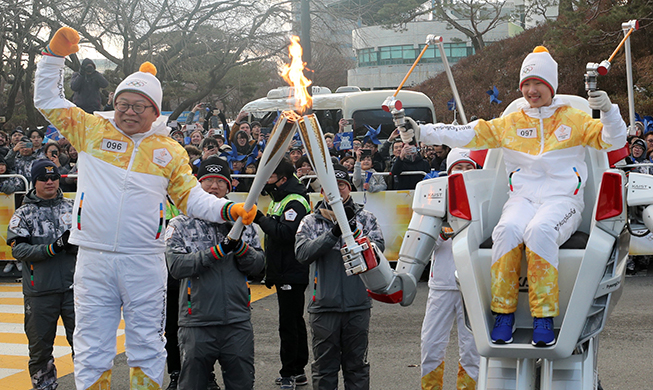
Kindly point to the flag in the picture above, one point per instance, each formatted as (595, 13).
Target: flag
(451, 105)
(494, 95)
(51, 133)
(344, 141)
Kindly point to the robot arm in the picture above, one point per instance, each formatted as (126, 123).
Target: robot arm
(399, 285)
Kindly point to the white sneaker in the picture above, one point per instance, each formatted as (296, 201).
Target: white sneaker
(8, 267)
(19, 266)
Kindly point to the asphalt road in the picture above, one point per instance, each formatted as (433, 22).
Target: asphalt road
(625, 359)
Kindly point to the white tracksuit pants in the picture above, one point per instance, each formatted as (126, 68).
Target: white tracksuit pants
(541, 228)
(105, 282)
(441, 309)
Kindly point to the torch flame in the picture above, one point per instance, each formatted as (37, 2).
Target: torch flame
(294, 75)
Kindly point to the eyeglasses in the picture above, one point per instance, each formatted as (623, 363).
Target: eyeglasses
(137, 108)
(49, 176)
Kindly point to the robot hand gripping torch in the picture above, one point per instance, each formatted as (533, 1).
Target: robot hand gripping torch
(358, 254)
(400, 285)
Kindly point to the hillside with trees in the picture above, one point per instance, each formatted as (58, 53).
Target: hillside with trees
(588, 34)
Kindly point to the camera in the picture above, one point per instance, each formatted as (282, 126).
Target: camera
(54, 153)
(89, 69)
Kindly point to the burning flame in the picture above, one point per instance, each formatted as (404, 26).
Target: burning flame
(294, 75)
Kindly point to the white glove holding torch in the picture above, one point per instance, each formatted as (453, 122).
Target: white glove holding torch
(410, 132)
(599, 100)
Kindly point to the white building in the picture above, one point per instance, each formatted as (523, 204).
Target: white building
(384, 56)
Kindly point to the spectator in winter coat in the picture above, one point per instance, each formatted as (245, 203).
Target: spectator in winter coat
(409, 161)
(86, 85)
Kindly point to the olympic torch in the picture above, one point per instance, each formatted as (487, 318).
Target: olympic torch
(280, 138)
(318, 152)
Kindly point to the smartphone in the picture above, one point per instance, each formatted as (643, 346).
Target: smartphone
(350, 121)
(29, 144)
(366, 152)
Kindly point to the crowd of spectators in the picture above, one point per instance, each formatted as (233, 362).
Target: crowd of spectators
(374, 165)
(21, 148)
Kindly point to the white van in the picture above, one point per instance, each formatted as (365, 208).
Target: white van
(347, 102)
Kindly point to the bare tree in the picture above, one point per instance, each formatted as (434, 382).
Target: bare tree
(21, 28)
(193, 42)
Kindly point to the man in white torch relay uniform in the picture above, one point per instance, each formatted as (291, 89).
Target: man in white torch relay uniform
(544, 151)
(127, 166)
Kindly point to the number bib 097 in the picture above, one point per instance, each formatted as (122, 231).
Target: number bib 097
(114, 146)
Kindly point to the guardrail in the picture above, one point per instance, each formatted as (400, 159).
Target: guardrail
(28, 185)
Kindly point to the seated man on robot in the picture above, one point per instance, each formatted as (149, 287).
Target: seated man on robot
(445, 304)
(544, 152)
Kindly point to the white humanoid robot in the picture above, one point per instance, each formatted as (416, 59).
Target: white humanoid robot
(591, 273)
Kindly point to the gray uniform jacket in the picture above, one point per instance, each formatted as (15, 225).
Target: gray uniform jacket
(219, 292)
(333, 290)
(34, 226)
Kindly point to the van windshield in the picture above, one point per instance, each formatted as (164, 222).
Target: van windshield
(374, 117)
(377, 117)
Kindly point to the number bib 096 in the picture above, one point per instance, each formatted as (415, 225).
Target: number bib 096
(114, 146)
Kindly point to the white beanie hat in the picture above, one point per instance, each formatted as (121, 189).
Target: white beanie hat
(457, 156)
(143, 83)
(541, 66)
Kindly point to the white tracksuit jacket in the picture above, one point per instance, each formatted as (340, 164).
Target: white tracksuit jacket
(120, 204)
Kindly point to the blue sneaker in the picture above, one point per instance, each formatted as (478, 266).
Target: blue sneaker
(504, 327)
(543, 335)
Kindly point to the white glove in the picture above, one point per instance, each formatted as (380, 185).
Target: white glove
(599, 100)
(407, 135)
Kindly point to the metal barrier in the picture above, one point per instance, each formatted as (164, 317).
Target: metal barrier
(28, 185)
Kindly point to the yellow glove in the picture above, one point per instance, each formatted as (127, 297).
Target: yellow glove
(63, 43)
(234, 210)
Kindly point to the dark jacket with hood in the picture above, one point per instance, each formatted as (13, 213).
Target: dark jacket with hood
(408, 182)
(333, 290)
(280, 230)
(34, 226)
(86, 86)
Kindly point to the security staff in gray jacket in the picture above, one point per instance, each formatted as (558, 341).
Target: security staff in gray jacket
(339, 311)
(38, 234)
(214, 298)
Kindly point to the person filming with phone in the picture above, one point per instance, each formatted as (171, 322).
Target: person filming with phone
(409, 161)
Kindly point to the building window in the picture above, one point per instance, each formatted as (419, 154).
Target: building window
(367, 57)
(406, 54)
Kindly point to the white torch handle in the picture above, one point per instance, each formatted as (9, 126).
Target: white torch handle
(318, 153)
(280, 138)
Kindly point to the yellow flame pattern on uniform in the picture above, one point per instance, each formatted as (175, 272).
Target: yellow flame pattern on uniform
(503, 132)
(434, 379)
(543, 293)
(103, 383)
(505, 281)
(139, 381)
(86, 133)
(464, 381)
